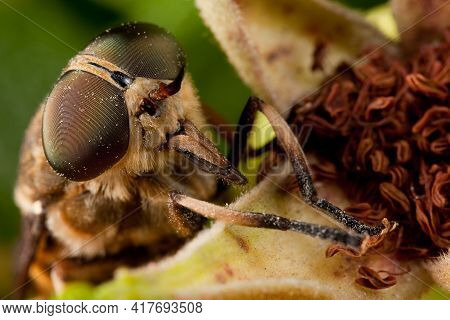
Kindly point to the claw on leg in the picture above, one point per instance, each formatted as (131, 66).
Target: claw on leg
(186, 210)
(289, 143)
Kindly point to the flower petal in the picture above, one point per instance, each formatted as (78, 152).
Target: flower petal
(440, 270)
(284, 49)
(420, 21)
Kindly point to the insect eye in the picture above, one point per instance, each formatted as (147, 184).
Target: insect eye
(141, 50)
(85, 127)
(151, 107)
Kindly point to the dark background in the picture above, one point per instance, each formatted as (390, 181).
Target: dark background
(37, 38)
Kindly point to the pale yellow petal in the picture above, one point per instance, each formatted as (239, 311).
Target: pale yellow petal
(440, 270)
(271, 43)
(382, 17)
(420, 21)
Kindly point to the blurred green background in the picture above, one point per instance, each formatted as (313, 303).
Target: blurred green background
(37, 38)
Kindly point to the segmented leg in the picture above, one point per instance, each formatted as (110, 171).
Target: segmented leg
(258, 220)
(289, 143)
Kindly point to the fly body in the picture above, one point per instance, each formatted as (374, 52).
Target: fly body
(115, 169)
(106, 147)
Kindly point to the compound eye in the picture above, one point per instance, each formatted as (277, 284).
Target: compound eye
(140, 49)
(85, 128)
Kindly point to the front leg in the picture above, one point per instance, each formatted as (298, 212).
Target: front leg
(188, 209)
(290, 145)
(360, 237)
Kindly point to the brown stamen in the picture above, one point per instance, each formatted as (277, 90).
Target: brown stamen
(381, 130)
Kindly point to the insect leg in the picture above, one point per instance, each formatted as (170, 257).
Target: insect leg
(190, 207)
(185, 222)
(289, 143)
(31, 230)
(243, 129)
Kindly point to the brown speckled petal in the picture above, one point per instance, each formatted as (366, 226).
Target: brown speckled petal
(85, 126)
(141, 49)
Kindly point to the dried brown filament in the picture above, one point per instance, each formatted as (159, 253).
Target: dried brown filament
(381, 130)
(375, 279)
(421, 84)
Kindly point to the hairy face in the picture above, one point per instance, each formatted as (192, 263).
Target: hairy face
(151, 122)
(124, 105)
